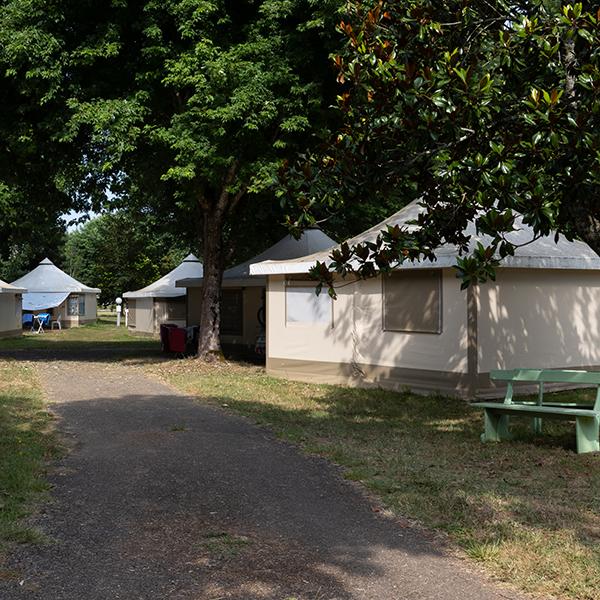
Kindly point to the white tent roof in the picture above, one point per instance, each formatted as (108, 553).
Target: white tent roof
(311, 240)
(48, 278)
(7, 288)
(168, 286)
(543, 253)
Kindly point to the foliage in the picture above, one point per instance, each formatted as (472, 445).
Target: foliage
(481, 110)
(185, 107)
(120, 252)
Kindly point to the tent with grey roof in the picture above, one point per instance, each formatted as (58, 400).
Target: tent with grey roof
(163, 301)
(243, 295)
(49, 289)
(416, 327)
(10, 309)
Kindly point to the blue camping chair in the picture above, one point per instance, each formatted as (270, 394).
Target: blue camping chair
(45, 319)
(27, 320)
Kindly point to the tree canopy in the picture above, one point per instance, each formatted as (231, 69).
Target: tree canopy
(183, 106)
(480, 110)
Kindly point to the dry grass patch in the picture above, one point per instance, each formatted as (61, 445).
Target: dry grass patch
(528, 510)
(27, 442)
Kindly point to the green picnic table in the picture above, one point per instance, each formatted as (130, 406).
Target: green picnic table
(587, 416)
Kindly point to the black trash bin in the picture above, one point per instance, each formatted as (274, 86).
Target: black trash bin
(193, 332)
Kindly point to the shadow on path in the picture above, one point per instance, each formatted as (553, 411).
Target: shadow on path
(163, 497)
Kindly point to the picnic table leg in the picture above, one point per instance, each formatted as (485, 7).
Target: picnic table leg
(537, 421)
(496, 427)
(587, 434)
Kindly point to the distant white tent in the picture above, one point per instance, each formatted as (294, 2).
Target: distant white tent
(163, 300)
(243, 295)
(416, 328)
(10, 309)
(51, 289)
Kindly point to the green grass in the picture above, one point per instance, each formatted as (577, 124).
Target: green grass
(103, 333)
(27, 442)
(221, 545)
(528, 510)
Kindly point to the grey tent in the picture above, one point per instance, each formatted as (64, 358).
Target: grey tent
(10, 309)
(243, 295)
(51, 290)
(163, 301)
(417, 328)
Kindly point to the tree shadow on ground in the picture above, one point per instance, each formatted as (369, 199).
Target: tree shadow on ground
(174, 499)
(507, 504)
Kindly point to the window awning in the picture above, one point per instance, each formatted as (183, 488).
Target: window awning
(43, 300)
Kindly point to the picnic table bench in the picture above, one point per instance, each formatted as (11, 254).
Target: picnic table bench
(587, 417)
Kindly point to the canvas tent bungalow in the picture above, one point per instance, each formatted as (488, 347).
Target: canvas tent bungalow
(243, 296)
(51, 290)
(10, 309)
(162, 301)
(416, 328)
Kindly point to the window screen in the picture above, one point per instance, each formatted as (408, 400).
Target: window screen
(81, 305)
(73, 306)
(302, 305)
(412, 301)
(232, 312)
(176, 309)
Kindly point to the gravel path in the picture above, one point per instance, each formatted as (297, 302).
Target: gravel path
(163, 497)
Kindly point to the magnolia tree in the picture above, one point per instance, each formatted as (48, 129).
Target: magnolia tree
(480, 110)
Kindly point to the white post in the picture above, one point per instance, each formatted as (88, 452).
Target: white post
(119, 301)
(126, 317)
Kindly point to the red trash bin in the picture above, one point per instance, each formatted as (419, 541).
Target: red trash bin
(164, 336)
(177, 339)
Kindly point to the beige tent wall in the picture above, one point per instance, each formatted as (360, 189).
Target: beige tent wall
(143, 320)
(539, 318)
(91, 310)
(354, 348)
(252, 299)
(10, 315)
(194, 295)
(169, 310)
(90, 316)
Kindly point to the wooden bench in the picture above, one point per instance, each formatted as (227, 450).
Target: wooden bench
(587, 417)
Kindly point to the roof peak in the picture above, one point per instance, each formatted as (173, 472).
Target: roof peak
(47, 261)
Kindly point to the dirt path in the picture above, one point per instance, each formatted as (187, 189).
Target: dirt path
(163, 497)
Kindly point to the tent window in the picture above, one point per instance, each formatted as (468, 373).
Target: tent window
(303, 306)
(81, 305)
(73, 306)
(232, 312)
(176, 309)
(412, 301)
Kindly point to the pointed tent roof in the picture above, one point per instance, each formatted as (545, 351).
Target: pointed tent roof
(167, 286)
(48, 278)
(543, 253)
(311, 240)
(7, 288)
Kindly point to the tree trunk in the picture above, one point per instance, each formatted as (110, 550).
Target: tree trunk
(209, 342)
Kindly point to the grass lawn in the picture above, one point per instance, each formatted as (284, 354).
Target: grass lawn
(102, 334)
(528, 510)
(27, 442)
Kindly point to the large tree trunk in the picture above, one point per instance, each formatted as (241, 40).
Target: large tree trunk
(209, 343)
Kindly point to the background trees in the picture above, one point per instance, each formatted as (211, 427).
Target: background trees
(479, 109)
